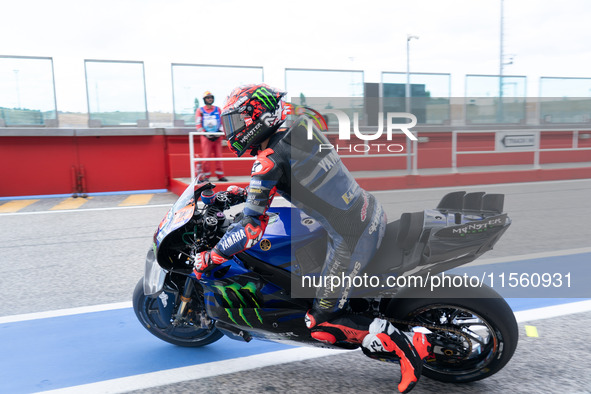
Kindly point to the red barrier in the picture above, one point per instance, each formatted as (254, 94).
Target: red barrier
(62, 165)
(35, 165)
(121, 163)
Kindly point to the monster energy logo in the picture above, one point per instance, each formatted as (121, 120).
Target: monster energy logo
(237, 145)
(265, 97)
(249, 290)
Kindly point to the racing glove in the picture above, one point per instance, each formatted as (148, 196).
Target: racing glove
(237, 194)
(205, 261)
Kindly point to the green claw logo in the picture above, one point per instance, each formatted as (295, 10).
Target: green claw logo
(265, 97)
(246, 296)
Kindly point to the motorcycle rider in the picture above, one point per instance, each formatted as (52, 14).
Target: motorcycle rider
(290, 162)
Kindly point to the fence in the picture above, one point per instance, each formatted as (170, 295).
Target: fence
(116, 94)
(190, 81)
(356, 151)
(514, 141)
(27, 91)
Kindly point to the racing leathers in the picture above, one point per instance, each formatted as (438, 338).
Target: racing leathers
(303, 168)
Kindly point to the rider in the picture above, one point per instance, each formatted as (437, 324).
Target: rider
(290, 162)
(208, 120)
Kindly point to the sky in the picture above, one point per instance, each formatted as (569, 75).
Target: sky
(545, 37)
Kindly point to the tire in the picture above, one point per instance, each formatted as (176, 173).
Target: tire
(490, 316)
(149, 312)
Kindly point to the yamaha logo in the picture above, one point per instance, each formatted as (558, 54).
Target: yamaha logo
(265, 244)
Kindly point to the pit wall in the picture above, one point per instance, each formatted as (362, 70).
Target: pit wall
(42, 161)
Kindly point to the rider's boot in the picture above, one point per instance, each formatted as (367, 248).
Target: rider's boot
(384, 337)
(331, 327)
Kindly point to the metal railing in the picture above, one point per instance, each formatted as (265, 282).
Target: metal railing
(411, 153)
(534, 146)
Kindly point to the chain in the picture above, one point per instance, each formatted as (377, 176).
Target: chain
(435, 328)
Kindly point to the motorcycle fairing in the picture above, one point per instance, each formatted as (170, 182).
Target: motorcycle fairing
(462, 228)
(288, 231)
(175, 221)
(249, 305)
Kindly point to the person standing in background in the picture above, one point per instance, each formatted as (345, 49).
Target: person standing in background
(208, 120)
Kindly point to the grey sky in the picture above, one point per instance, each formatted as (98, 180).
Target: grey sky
(549, 38)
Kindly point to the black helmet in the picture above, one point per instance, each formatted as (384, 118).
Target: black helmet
(251, 114)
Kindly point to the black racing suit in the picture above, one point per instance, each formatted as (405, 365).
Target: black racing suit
(304, 169)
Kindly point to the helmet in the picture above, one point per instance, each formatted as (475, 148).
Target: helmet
(207, 93)
(252, 114)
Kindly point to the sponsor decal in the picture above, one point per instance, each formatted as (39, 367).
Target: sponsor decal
(473, 227)
(364, 207)
(256, 167)
(247, 137)
(265, 97)
(268, 119)
(240, 302)
(265, 244)
(329, 161)
(232, 239)
(308, 221)
(375, 221)
(345, 296)
(350, 194)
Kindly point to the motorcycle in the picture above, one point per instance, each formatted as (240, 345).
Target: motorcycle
(472, 330)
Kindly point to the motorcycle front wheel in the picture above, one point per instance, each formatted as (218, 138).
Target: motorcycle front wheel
(150, 311)
(477, 337)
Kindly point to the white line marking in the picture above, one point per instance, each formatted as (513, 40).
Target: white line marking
(87, 210)
(200, 371)
(470, 187)
(183, 374)
(548, 312)
(530, 256)
(65, 312)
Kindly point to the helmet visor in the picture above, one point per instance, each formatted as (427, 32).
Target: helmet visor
(233, 123)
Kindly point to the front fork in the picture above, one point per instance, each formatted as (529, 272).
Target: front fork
(182, 315)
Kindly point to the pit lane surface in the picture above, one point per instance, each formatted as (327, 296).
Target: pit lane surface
(94, 255)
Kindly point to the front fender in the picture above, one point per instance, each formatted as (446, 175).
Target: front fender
(154, 275)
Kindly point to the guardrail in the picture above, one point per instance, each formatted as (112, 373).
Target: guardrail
(411, 153)
(514, 141)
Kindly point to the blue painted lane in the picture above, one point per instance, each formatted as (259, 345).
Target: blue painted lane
(65, 351)
(524, 304)
(567, 276)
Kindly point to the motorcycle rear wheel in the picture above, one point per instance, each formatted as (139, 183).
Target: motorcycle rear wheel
(148, 312)
(489, 323)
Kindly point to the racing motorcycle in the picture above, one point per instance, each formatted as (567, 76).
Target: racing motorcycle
(472, 330)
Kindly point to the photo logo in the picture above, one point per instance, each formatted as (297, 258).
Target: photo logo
(391, 127)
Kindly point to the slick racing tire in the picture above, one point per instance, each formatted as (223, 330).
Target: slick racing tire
(150, 312)
(488, 323)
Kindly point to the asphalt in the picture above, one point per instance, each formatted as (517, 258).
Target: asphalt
(555, 362)
(54, 260)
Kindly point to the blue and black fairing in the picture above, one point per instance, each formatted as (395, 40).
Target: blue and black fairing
(462, 228)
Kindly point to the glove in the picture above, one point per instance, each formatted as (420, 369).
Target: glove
(205, 261)
(237, 194)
